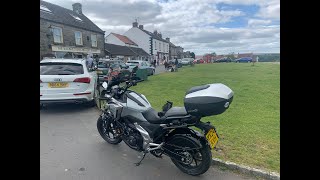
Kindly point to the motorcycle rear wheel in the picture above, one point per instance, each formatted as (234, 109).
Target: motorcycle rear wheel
(198, 163)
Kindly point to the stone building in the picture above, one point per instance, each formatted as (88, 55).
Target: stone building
(66, 33)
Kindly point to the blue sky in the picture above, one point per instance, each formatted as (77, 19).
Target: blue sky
(201, 26)
(239, 21)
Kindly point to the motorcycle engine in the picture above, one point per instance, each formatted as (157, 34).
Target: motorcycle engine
(133, 138)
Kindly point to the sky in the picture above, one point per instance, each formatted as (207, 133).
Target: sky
(200, 26)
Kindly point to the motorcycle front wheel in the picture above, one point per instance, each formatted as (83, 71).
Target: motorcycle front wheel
(107, 130)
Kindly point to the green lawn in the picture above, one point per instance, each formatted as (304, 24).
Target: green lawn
(250, 129)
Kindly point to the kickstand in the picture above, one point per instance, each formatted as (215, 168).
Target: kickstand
(138, 163)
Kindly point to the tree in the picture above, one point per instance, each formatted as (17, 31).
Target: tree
(231, 56)
(193, 55)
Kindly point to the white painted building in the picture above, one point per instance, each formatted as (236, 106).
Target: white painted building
(120, 40)
(150, 42)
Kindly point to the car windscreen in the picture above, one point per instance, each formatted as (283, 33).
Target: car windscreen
(61, 68)
(132, 63)
(103, 64)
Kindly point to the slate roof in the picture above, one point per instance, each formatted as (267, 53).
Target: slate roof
(139, 51)
(124, 50)
(154, 36)
(62, 15)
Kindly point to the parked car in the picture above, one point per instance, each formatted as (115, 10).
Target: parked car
(105, 64)
(141, 65)
(172, 61)
(223, 60)
(244, 60)
(198, 61)
(186, 61)
(67, 81)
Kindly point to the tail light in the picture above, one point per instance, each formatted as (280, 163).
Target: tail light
(82, 80)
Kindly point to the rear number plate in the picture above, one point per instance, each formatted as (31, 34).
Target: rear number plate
(212, 138)
(58, 85)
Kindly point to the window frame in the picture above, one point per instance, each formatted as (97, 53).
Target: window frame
(53, 33)
(75, 37)
(96, 40)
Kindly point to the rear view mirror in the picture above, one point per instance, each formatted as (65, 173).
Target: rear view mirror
(105, 85)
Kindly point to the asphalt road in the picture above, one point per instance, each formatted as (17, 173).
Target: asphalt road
(72, 149)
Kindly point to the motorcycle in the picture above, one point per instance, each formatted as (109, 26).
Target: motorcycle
(128, 116)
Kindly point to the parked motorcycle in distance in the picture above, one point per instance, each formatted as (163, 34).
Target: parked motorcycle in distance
(128, 116)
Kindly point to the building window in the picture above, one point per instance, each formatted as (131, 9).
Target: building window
(78, 36)
(155, 45)
(57, 35)
(159, 46)
(164, 48)
(94, 42)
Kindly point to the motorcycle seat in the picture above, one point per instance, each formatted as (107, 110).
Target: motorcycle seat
(176, 111)
(152, 117)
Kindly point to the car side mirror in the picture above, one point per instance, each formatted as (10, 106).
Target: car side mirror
(134, 70)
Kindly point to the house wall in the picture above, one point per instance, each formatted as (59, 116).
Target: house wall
(46, 38)
(140, 38)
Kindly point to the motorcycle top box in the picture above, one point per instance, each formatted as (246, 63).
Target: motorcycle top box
(208, 100)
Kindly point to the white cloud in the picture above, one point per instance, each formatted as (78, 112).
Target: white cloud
(257, 22)
(270, 10)
(192, 24)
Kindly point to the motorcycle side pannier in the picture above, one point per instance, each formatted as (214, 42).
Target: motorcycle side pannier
(208, 100)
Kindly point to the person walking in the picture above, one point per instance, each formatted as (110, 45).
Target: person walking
(154, 63)
(89, 61)
(176, 62)
(165, 65)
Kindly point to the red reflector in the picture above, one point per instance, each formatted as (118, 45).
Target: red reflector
(82, 80)
(82, 93)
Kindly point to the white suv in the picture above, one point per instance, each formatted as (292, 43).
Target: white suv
(67, 80)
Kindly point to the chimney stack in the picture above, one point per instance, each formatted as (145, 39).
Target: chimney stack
(160, 35)
(135, 24)
(168, 39)
(77, 8)
(140, 26)
(155, 32)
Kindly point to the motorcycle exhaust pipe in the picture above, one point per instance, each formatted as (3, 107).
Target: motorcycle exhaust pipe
(158, 146)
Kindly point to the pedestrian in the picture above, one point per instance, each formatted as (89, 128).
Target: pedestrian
(176, 62)
(154, 63)
(89, 61)
(158, 62)
(165, 65)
